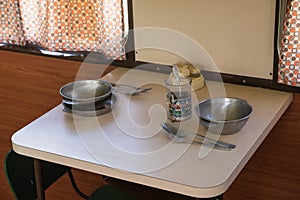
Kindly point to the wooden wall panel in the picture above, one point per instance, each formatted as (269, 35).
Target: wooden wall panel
(29, 87)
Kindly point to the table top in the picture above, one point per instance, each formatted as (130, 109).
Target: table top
(128, 143)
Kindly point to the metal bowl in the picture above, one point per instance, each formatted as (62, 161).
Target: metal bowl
(86, 91)
(224, 115)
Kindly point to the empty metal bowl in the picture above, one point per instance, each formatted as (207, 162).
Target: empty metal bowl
(223, 115)
(86, 91)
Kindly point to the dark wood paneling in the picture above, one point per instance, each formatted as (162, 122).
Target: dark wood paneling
(274, 170)
(29, 88)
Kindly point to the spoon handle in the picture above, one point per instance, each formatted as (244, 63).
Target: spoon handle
(221, 143)
(128, 89)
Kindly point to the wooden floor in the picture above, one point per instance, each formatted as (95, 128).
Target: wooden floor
(29, 87)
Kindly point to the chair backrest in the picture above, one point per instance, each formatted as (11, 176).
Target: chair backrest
(20, 174)
(110, 192)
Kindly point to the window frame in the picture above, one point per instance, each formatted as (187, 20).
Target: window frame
(246, 80)
(131, 62)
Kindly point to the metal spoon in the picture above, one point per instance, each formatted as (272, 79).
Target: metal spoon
(182, 140)
(128, 89)
(180, 135)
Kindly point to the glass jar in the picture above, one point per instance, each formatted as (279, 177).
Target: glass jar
(178, 96)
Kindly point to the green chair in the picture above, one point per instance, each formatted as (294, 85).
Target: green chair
(109, 192)
(20, 174)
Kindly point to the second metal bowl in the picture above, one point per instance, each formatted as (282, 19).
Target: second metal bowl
(86, 91)
(224, 115)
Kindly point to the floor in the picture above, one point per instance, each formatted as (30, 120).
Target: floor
(29, 88)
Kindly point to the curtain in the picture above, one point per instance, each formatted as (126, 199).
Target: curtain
(289, 52)
(66, 25)
(10, 23)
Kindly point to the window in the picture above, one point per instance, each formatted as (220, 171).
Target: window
(65, 28)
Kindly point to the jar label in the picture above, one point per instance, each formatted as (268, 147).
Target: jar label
(178, 108)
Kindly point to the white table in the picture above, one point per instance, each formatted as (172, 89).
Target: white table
(129, 144)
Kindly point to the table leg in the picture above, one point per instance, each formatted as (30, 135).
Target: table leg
(38, 179)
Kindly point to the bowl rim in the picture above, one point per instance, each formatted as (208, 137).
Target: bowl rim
(224, 121)
(69, 98)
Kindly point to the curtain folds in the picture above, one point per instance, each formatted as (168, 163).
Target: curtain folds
(11, 31)
(289, 51)
(68, 25)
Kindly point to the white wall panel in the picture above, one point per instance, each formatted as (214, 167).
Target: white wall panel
(238, 34)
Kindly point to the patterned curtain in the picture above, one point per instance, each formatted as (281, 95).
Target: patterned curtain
(10, 23)
(65, 25)
(289, 61)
